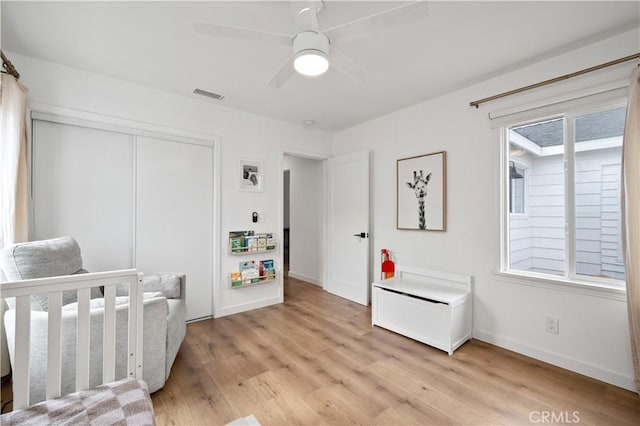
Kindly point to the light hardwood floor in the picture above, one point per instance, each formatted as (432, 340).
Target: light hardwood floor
(316, 359)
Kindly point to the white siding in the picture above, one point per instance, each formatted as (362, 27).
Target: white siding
(537, 238)
(520, 240)
(547, 214)
(611, 251)
(598, 213)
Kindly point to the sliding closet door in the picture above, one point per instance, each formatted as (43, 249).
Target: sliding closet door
(174, 215)
(83, 187)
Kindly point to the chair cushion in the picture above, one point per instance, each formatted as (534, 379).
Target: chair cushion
(40, 259)
(167, 284)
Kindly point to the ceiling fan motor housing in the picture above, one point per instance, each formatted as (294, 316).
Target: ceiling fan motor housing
(310, 41)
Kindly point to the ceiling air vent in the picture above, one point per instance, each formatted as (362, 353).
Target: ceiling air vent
(212, 95)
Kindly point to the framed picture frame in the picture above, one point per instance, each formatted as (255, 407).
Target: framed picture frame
(250, 175)
(422, 192)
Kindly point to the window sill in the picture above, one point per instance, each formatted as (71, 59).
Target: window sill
(589, 288)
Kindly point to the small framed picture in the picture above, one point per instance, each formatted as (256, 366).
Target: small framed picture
(422, 192)
(251, 175)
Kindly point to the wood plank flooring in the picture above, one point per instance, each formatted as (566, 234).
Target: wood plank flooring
(316, 359)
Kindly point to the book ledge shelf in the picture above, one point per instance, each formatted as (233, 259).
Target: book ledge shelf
(253, 271)
(240, 251)
(248, 282)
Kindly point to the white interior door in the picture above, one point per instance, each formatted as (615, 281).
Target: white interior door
(348, 227)
(174, 221)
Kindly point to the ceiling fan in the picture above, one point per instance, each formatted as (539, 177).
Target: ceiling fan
(314, 49)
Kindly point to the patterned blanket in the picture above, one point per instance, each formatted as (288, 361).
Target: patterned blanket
(125, 402)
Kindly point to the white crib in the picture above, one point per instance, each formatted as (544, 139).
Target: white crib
(54, 286)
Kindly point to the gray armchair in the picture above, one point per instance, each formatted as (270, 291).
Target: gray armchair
(164, 315)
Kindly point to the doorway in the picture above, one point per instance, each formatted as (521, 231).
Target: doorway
(304, 218)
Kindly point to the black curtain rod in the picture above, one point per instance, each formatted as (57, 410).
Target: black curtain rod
(554, 80)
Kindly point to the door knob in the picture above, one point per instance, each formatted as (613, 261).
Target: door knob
(362, 235)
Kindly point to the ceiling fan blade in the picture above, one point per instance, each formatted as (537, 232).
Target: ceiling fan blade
(363, 27)
(282, 75)
(217, 30)
(305, 14)
(346, 66)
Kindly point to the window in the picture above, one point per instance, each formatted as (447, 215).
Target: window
(564, 173)
(517, 184)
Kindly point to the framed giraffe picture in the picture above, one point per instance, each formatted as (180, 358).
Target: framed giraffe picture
(422, 192)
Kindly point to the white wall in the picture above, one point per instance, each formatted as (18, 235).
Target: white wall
(306, 206)
(509, 312)
(242, 135)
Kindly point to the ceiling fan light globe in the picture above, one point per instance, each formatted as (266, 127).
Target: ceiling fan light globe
(311, 63)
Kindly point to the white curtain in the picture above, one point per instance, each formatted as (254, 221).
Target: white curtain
(630, 194)
(14, 213)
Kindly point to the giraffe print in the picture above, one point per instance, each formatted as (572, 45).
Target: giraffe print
(419, 186)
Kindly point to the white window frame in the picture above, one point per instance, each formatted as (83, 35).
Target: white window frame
(568, 111)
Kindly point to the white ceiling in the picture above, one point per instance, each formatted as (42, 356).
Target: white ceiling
(457, 44)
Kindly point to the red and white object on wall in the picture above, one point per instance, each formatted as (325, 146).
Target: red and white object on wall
(388, 267)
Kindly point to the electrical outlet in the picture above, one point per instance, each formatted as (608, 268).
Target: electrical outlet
(552, 325)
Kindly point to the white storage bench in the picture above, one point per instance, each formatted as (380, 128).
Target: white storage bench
(428, 306)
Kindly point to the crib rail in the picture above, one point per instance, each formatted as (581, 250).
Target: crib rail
(54, 286)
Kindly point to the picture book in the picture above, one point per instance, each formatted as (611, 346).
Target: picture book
(249, 272)
(236, 279)
(267, 270)
(236, 241)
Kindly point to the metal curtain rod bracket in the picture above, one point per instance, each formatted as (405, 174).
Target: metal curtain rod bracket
(554, 80)
(8, 66)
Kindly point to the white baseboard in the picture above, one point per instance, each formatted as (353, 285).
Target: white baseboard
(236, 309)
(306, 278)
(559, 360)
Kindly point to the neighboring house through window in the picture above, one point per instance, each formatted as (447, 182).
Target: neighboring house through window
(562, 177)
(517, 184)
